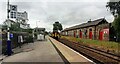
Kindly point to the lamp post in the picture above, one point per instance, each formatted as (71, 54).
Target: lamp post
(37, 29)
(37, 25)
(9, 49)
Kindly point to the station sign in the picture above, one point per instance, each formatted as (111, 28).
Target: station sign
(11, 35)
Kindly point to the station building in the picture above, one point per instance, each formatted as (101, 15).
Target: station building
(96, 29)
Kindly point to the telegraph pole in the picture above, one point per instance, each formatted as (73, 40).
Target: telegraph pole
(9, 49)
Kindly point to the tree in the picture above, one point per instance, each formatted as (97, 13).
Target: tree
(28, 30)
(114, 8)
(116, 25)
(57, 26)
(15, 27)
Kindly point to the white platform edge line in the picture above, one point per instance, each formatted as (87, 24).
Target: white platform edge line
(77, 53)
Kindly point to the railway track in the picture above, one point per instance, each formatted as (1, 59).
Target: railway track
(98, 56)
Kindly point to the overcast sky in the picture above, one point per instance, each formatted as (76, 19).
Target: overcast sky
(67, 12)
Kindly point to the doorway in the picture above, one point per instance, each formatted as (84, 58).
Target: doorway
(90, 33)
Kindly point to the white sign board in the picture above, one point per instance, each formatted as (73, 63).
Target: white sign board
(13, 14)
(22, 15)
(13, 11)
(13, 8)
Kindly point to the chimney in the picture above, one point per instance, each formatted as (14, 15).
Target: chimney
(89, 21)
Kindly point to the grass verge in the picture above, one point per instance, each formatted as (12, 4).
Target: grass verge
(104, 45)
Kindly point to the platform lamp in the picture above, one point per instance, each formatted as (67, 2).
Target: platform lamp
(9, 49)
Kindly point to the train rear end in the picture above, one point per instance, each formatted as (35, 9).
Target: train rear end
(56, 35)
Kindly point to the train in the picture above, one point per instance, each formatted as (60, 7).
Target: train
(55, 35)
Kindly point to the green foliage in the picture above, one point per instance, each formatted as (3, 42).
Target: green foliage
(57, 26)
(116, 24)
(103, 44)
(114, 7)
(15, 27)
(28, 30)
(29, 38)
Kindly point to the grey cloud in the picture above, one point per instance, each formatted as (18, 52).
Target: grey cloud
(114, 0)
(76, 13)
(67, 13)
(58, 0)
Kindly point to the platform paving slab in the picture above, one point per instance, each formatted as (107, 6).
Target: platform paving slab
(43, 51)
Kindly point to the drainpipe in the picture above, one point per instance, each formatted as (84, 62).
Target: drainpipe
(95, 33)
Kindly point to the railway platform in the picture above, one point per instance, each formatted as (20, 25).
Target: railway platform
(43, 51)
(50, 51)
(70, 55)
